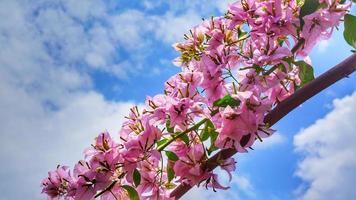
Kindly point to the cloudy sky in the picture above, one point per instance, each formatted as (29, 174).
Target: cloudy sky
(70, 69)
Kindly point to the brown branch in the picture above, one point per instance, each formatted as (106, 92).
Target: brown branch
(342, 70)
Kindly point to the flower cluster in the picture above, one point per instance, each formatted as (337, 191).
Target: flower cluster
(235, 69)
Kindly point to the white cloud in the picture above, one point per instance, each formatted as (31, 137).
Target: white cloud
(149, 5)
(49, 111)
(172, 27)
(222, 4)
(328, 167)
(131, 27)
(241, 186)
(244, 185)
(274, 140)
(203, 193)
(82, 10)
(180, 17)
(35, 137)
(79, 33)
(323, 45)
(205, 8)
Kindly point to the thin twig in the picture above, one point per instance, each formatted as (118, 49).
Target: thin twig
(161, 148)
(108, 188)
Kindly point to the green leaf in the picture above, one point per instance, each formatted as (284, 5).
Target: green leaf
(208, 129)
(132, 192)
(136, 177)
(241, 34)
(300, 3)
(170, 173)
(280, 41)
(172, 156)
(309, 6)
(213, 137)
(204, 135)
(227, 100)
(350, 30)
(168, 126)
(306, 72)
(159, 143)
(185, 138)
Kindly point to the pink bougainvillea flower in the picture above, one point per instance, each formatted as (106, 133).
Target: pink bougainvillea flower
(319, 25)
(189, 168)
(103, 143)
(59, 183)
(229, 165)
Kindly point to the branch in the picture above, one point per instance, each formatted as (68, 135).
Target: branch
(108, 188)
(342, 70)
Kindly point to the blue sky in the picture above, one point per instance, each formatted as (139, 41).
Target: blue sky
(70, 69)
